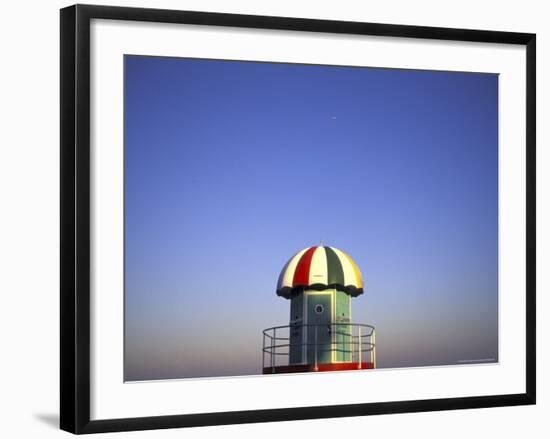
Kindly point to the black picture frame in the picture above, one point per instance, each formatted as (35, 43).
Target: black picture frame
(75, 217)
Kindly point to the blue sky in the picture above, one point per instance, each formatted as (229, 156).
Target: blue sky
(232, 167)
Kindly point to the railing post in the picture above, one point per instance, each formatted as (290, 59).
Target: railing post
(273, 350)
(359, 350)
(316, 368)
(373, 350)
(263, 351)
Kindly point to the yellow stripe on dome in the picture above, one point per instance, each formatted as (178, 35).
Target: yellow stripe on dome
(357, 272)
(358, 277)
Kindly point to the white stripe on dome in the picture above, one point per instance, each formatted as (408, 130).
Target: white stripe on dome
(349, 272)
(318, 270)
(288, 276)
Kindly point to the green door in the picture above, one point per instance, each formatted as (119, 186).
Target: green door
(319, 331)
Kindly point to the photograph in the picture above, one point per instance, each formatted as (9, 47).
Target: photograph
(288, 218)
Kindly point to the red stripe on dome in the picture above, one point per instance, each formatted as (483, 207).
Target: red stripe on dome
(301, 273)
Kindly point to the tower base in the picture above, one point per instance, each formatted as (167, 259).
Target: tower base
(326, 367)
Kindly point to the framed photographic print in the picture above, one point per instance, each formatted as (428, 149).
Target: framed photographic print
(274, 218)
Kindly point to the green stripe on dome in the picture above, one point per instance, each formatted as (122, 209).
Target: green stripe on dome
(335, 272)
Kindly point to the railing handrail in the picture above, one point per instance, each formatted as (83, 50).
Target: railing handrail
(272, 349)
(362, 325)
(358, 345)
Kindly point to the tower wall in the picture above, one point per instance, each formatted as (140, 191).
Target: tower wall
(342, 336)
(296, 331)
(334, 342)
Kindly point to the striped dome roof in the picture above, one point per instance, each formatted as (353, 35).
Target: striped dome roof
(320, 268)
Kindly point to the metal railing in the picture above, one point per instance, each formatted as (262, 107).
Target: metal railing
(352, 342)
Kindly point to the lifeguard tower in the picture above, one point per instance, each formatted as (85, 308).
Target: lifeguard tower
(320, 282)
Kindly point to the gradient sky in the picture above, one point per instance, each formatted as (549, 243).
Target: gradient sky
(232, 167)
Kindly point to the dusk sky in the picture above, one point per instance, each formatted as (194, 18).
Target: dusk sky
(233, 167)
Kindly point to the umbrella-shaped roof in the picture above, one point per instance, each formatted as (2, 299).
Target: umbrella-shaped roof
(319, 268)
